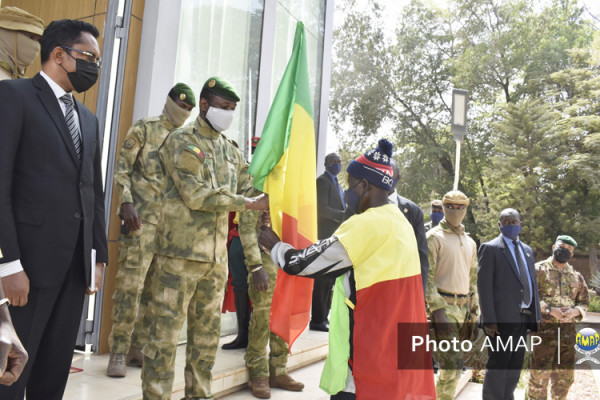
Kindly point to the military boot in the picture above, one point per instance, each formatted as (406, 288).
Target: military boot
(135, 358)
(285, 382)
(260, 387)
(242, 312)
(116, 366)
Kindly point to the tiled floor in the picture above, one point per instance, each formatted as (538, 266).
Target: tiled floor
(229, 372)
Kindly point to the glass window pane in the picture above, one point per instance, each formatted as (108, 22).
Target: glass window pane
(222, 37)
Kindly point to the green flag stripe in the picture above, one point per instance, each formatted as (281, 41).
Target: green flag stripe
(294, 88)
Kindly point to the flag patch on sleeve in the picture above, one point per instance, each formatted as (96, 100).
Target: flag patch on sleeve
(195, 150)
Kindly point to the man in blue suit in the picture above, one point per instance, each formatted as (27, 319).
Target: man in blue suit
(509, 302)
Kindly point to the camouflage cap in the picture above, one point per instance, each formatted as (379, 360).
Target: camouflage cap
(184, 93)
(566, 239)
(15, 19)
(456, 197)
(436, 203)
(222, 88)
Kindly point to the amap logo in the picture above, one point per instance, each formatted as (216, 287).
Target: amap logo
(587, 342)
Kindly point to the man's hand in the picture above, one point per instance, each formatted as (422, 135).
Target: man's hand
(13, 356)
(130, 217)
(267, 238)
(491, 329)
(260, 280)
(557, 313)
(257, 203)
(442, 326)
(16, 288)
(569, 314)
(99, 271)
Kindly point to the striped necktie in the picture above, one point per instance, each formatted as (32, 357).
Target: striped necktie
(71, 124)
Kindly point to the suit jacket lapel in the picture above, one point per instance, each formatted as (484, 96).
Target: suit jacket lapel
(336, 189)
(50, 103)
(509, 257)
(87, 133)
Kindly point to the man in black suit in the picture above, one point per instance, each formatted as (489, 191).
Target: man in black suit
(51, 205)
(414, 215)
(330, 211)
(509, 302)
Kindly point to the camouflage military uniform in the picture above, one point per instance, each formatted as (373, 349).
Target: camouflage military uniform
(139, 179)
(558, 288)
(207, 177)
(452, 269)
(260, 334)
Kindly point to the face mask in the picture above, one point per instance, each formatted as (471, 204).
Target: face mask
(455, 217)
(561, 254)
(352, 200)
(436, 217)
(219, 119)
(174, 113)
(510, 231)
(85, 75)
(334, 169)
(27, 50)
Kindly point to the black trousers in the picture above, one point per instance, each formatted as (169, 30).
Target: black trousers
(503, 368)
(47, 326)
(321, 299)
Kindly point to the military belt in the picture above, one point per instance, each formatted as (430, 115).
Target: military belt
(454, 299)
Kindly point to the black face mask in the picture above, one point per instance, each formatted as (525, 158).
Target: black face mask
(561, 254)
(85, 75)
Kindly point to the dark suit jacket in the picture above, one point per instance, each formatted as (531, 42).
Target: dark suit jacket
(46, 193)
(499, 286)
(414, 215)
(330, 208)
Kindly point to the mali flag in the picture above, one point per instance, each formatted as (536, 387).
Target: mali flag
(284, 166)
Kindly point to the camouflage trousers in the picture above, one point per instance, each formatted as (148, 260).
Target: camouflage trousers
(260, 335)
(544, 369)
(451, 362)
(132, 289)
(183, 288)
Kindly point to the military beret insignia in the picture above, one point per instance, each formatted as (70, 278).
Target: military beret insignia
(182, 96)
(129, 143)
(211, 83)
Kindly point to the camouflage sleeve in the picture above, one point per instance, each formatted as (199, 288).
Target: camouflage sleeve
(134, 141)
(194, 183)
(434, 300)
(474, 301)
(582, 300)
(249, 238)
(541, 281)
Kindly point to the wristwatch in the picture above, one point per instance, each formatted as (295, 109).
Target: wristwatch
(548, 310)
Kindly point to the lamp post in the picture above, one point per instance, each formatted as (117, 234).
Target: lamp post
(458, 125)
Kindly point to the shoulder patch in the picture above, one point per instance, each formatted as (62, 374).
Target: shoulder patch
(195, 150)
(129, 143)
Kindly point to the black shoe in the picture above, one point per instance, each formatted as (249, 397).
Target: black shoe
(242, 312)
(319, 326)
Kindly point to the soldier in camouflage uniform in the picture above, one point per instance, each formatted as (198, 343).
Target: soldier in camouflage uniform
(139, 182)
(266, 371)
(451, 286)
(564, 299)
(206, 177)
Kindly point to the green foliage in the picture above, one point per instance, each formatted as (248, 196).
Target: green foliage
(594, 304)
(533, 139)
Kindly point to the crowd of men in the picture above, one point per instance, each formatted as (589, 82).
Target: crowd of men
(182, 190)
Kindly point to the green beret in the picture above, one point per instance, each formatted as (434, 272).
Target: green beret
(184, 93)
(222, 88)
(567, 239)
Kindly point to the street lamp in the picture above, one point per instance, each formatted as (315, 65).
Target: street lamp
(458, 125)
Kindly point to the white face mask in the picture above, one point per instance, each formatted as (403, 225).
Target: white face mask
(219, 119)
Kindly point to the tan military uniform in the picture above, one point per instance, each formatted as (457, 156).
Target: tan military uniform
(207, 177)
(453, 271)
(557, 288)
(139, 179)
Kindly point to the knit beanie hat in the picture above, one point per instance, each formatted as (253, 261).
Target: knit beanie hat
(374, 166)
